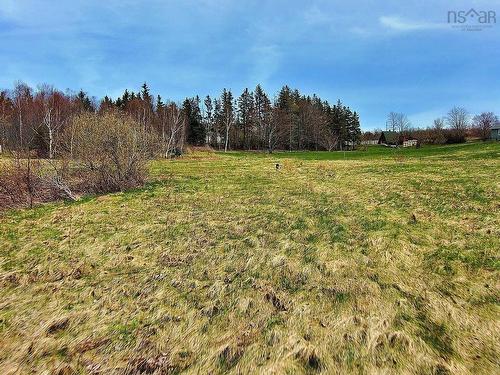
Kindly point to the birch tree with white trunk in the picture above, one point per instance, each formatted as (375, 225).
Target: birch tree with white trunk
(175, 123)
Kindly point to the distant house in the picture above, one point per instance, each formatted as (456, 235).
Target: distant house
(389, 138)
(495, 133)
(410, 143)
(369, 138)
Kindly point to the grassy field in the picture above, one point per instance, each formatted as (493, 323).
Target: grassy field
(379, 261)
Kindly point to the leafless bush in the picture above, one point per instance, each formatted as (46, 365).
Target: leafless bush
(110, 151)
(24, 183)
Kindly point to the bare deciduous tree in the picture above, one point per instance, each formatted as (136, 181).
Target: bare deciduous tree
(438, 124)
(483, 124)
(53, 110)
(270, 128)
(397, 122)
(458, 120)
(329, 139)
(175, 123)
(22, 98)
(437, 133)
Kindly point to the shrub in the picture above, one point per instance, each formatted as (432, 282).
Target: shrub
(454, 136)
(23, 184)
(110, 151)
(105, 153)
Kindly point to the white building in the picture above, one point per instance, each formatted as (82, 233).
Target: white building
(410, 143)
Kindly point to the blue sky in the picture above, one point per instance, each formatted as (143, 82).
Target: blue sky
(376, 56)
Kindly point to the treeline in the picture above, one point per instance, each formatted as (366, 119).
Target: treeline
(41, 120)
(455, 127)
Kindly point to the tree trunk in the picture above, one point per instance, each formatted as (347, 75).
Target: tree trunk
(227, 138)
(20, 128)
(51, 142)
(169, 144)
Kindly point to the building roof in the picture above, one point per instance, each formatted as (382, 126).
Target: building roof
(390, 136)
(495, 127)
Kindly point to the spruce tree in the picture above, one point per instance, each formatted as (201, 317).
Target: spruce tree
(245, 114)
(262, 114)
(285, 112)
(354, 128)
(125, 99)
(84, 101)
(227, 115)
(106, 103)
(159, 103)
(195, 128)
(145, 95)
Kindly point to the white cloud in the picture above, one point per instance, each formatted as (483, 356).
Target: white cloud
(400, 24)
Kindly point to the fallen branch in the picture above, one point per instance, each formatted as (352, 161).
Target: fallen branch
(62, 188)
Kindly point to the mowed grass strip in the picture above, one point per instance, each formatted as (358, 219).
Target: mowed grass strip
(225, 264)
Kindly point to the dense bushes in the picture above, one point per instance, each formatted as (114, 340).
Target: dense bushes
(110, 151)
(101, 153)
(23, 183)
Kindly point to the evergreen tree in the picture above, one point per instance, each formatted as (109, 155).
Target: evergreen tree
(245, 114)
(195, 128)
(84, 101)
(145, 95)
(262, 113)
(338, 124)
(354, 130)
(146, 116)
(227, 115)
(106, 104)
(125, 99)
(285, 113)
(159, 104)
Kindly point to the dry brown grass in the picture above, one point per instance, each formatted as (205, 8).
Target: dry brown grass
(227, 265)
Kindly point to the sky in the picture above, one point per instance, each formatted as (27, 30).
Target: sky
(376, 56)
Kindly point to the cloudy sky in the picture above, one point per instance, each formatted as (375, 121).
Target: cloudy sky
(397, 56)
